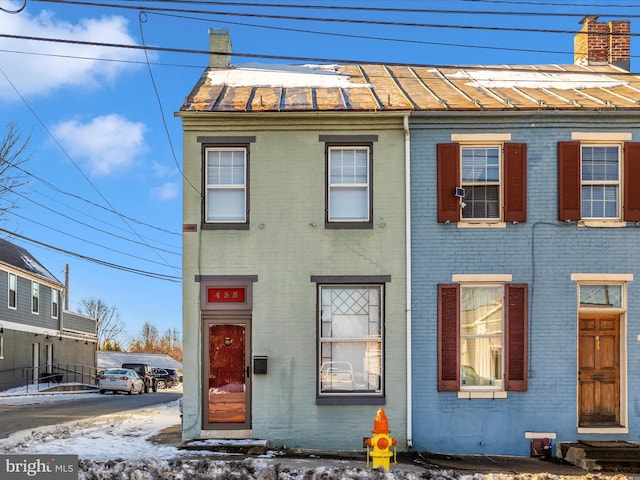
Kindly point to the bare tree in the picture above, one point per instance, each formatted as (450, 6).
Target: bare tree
(110, 327)
(13, 153)
(150, 341)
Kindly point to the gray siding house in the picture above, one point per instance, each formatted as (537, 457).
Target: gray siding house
(39, 341)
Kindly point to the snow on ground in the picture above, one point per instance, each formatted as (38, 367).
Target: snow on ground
(117, 447)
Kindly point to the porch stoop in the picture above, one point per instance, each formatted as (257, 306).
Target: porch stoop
(593, 456)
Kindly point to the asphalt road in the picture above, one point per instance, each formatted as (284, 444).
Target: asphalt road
(16, 417)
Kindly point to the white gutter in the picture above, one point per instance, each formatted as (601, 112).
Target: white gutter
(407, 186)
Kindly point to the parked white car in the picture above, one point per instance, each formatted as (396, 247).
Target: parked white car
(120, 380)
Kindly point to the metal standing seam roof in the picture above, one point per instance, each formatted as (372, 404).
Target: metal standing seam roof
(372, 88)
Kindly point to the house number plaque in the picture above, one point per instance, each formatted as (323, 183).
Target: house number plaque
(226, 295)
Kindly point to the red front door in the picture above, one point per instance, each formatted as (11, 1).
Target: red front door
(227, 397)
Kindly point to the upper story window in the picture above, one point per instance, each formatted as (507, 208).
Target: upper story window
(482, 336)
(13, 291)
(226, 185)
(482, 180)
(597, 180)
(600, 181)
(55, 302)
(35, 297)
(349, 184)
(349, 180)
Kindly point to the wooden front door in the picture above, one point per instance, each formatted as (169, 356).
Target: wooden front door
(599, 371)
(227, 398)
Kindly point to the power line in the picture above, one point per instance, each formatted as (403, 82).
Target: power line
(281, 57)
(348, 8)
(317, 19)
(42, 124)
(53, 229)
(158, 276)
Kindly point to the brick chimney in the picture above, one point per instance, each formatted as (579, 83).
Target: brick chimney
(219, 44)
(600, 43)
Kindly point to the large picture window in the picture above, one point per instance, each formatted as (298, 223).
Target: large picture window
(226, 185)
(350, 340)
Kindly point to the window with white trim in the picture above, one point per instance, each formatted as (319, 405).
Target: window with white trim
(55, 302)
(600, 175)
(597, 180)
(482, 336)
(13, 291)
(349, 184)
(226, 185)
(481, 174)
(35, 297)
(350, 341)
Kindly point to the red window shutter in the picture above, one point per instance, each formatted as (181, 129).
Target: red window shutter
(448, 180)
(448, 338)
(516, 337)
(515, 182)
(632, 181)
(569, 180)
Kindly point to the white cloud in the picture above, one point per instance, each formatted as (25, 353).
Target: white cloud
(106, 144)
(53, 66)
(167, 191)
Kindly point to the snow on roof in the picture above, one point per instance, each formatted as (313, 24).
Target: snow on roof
(108, 359)
(19, 257)
(529, 79)
(288, 76)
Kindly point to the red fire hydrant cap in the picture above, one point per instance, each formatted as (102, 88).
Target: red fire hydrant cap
(380, 423)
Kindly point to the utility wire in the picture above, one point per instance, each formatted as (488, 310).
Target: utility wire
(289, 57)
(141, 20)
(49, 228)
(37, 117)
(347, 8)
(158, 276)
(318, 19)
(92, 227)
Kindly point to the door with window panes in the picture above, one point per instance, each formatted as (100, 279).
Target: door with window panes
(599, 356)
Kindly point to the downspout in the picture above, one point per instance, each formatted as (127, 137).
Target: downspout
(407, 187)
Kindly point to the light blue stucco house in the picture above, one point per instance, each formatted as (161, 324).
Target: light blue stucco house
(526, 254)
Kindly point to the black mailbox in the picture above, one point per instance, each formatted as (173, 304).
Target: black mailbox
(260, 364)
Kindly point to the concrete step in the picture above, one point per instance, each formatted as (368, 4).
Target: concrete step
(247, 446)
(601, 456)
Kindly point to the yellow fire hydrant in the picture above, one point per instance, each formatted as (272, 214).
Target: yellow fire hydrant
(378, 446)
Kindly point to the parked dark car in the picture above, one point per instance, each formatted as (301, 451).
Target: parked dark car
(166, 377)
(146, 374)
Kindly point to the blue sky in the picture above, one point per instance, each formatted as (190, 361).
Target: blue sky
(106, 149)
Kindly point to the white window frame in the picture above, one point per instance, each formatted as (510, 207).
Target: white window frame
(35, 298)
(498, 383)
(499, 184)
(1, 347)
(210, 188)
(14, 277)
(336, 187)
(623, 280)
(376, 339)
(55, 303)
(617, 183)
